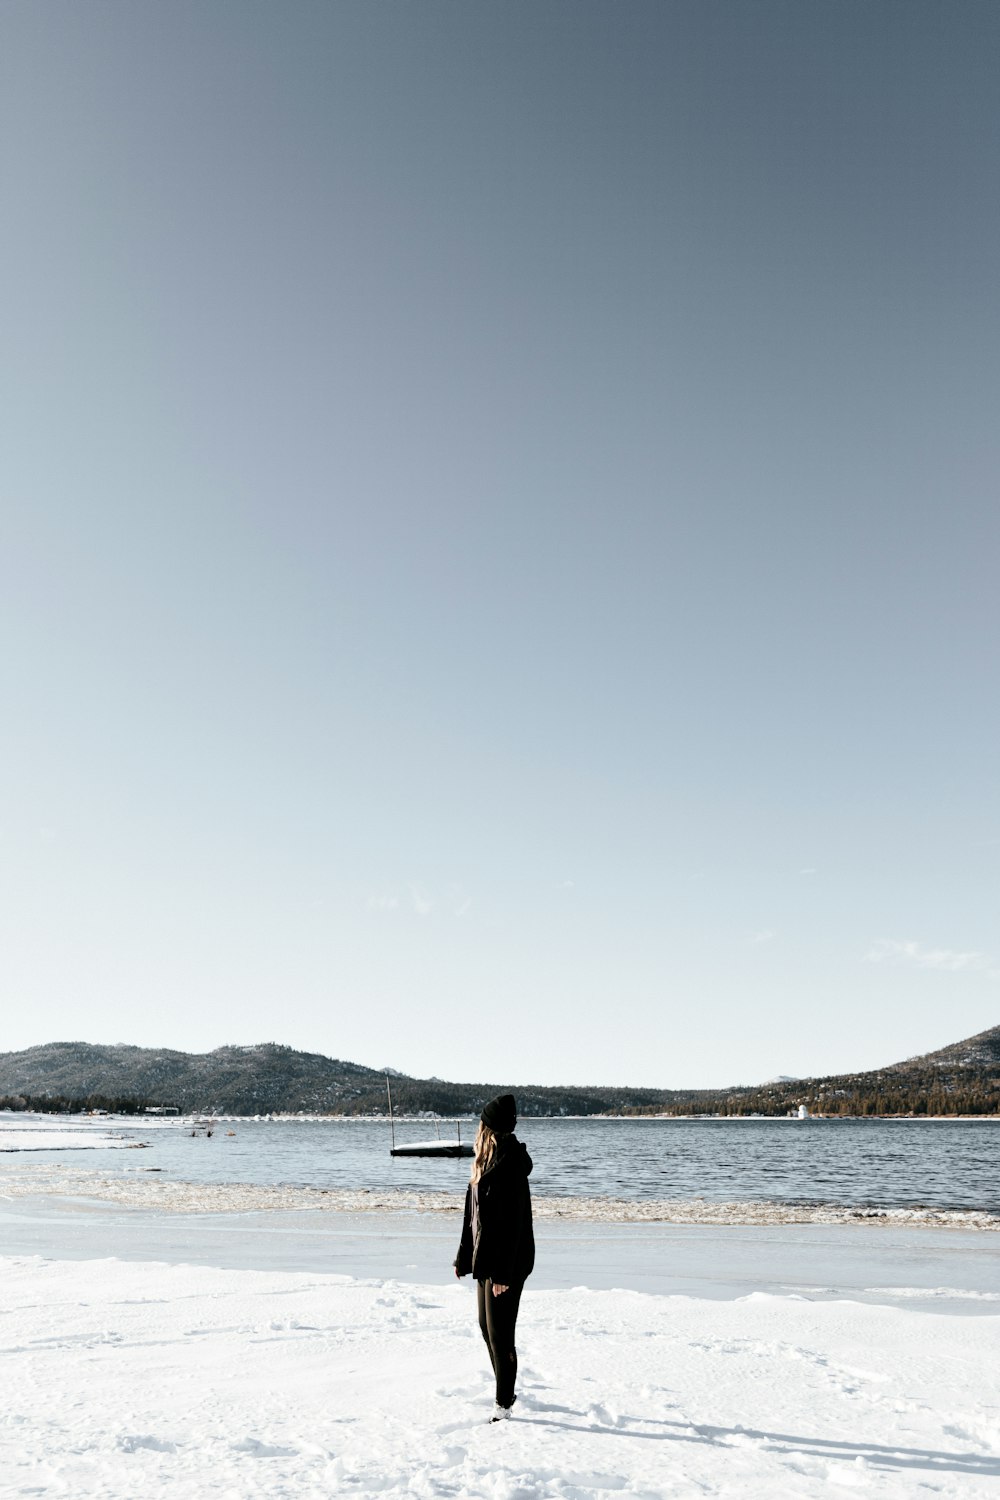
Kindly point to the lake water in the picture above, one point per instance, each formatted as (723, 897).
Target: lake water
(953, 1165)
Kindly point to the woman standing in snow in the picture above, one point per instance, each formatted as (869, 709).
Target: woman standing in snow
(498, 1242)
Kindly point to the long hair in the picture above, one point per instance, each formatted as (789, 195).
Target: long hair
(484, 1151)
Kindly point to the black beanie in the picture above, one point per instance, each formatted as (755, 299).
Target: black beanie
(500, 1114)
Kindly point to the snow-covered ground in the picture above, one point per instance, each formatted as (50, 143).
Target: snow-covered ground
(126, 1379)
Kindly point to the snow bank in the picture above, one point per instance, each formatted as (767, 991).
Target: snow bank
(43, 1138)
(145, 1188)
(125, 1379)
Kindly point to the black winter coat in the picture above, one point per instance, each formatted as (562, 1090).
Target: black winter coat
(504, 1248)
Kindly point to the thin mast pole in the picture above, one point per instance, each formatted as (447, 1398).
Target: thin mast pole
(392, 1127)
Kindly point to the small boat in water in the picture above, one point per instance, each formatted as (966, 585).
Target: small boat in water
(438, 1147)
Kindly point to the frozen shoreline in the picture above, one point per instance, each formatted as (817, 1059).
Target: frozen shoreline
(142, 1187)
(297, 1343)
(27, 1139)
(917, 1268)
(181, 1380)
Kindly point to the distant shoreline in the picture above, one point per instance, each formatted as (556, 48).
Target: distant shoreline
(424, 1119)
(298, 1117)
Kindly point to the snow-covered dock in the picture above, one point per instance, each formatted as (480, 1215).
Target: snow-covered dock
(431, 1148)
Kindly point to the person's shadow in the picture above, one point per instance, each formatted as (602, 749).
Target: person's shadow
(879, 1455)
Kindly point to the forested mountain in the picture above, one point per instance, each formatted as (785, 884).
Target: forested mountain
(963, 1078)
(960, 1079)
(268, 1078)
(239, 1080)
(979, 1051)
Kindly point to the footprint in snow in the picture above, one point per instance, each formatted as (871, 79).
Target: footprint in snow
(606, 1418)
(135, 1442)
(257, 1449)
(449, 1427)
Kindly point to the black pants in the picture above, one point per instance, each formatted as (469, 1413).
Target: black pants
(497, 1320)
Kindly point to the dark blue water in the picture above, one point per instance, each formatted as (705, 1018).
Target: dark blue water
(850, 1163)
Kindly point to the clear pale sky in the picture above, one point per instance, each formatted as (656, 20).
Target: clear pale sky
(500, 537)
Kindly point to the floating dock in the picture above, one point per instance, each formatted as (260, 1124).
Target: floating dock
(457, 1147)
(432, 1148)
